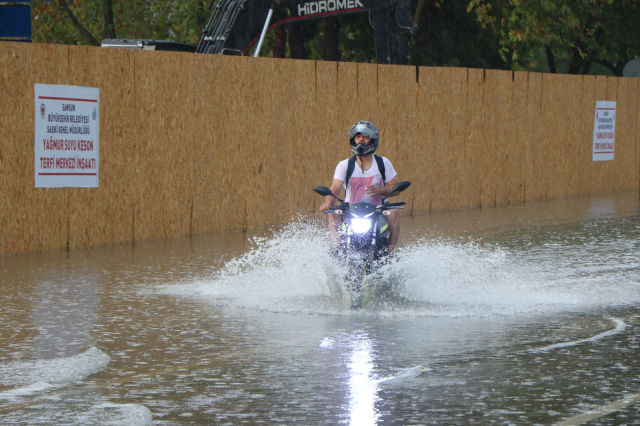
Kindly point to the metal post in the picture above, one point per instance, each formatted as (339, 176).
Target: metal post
(264, 33)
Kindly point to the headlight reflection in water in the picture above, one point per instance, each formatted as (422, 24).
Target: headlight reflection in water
(362, 387)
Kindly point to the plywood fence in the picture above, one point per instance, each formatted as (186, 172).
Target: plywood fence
(196, 143)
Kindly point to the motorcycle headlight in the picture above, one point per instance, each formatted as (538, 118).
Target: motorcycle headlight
(360, 226)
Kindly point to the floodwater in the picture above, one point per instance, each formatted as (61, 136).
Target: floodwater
(526, 314)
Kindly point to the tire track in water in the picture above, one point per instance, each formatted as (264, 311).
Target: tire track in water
(600, 411)
(605, 409)
(620, 327)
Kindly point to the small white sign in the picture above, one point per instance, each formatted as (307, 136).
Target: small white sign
(67, 120)
(604, 131)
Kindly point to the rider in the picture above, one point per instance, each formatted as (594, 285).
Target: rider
(366, 182)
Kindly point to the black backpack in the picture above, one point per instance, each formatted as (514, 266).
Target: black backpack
(352, 164)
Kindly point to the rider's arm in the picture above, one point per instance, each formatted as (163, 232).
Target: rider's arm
(329, 201)
(386, 190)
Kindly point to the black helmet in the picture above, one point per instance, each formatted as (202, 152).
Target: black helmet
(369, 130)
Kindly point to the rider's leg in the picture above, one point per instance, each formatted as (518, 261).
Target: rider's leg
(394, 229)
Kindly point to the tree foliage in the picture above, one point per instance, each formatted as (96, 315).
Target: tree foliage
(90, 21)
(587, 31)
(574, 36)
(444, 34)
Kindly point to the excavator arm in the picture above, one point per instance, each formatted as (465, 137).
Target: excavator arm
(235, 26)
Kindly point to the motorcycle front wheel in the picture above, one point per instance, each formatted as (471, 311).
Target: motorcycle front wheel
(359, 269)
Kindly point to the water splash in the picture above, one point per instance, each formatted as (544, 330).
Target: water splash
(110, 414)
(404, 375)
(291, 271)
(489, 279)
(283, 272)
(31, 377)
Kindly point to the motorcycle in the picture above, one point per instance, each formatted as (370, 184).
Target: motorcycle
(363, 239)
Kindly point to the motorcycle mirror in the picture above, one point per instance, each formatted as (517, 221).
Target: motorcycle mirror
(401, 186)
(323, 190)
(398, 187)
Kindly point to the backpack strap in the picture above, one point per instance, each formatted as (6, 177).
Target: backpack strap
(381, 168)
(352, 164)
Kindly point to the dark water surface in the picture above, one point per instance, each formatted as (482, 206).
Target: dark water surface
(525, 315)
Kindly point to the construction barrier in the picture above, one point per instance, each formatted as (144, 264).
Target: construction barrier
(197, 143)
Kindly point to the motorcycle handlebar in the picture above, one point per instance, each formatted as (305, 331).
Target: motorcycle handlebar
(345, 207)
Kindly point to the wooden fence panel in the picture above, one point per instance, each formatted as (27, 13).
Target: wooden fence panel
(448, 108)
(300, 130)
(231, 86)
(198, 143)
(321, 130)
(534, 188)
(33, 219)
(264, 158)
(108, 209)
(458, 113)
(162, 182)
(579, 133)
(551, 159)
(497, 141)
(475, 129)
(423, 163)
(348, 98)
(627, 172)
(636, 97)
(397, 97)
(209, 209)
(366, 104)
(517, 150)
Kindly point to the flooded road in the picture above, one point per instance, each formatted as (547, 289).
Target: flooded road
(525, 314)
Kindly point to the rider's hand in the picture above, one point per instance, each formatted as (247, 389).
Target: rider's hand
(373, 190)
(325, 207)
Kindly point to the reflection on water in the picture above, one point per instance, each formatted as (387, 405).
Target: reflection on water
(63, 311)
(519, 315)
(362, 388)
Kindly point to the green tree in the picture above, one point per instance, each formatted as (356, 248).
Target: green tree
(573, 36)
(584, 32)
(445, 35)
(89, 21)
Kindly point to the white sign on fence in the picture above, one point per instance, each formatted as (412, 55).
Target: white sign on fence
(604, 131)
(67, 120)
